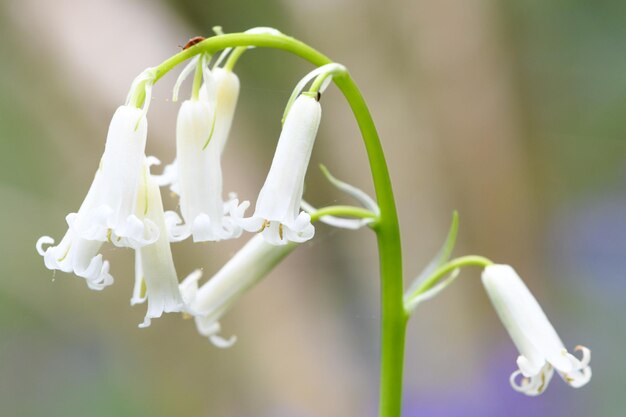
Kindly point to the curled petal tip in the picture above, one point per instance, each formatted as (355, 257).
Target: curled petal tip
(532, 385)
(152, 160)
(44, 240)
(146, 323)
(578, 379)
(586, 358)
(222, 343)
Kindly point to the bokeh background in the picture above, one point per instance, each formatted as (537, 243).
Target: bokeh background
(510, 111)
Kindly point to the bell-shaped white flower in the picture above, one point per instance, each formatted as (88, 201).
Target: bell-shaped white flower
(112, 215)
(541, 349)
(277, 213)
(154, 265)
(75, 254)
(209, 302)
(202, 131)
(107, 213)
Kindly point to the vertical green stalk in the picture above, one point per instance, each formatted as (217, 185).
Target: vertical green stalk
(393, 317)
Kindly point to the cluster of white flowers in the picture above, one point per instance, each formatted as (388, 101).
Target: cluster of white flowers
(124, 206)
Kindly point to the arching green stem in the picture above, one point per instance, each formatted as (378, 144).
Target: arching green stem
(442, 272)
(393, 318)
(448, 267)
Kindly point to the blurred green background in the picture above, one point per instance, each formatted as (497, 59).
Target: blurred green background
(510, 111)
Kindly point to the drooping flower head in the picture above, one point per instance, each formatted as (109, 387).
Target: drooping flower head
(541, 349)
(107, 213)
(201, 134)
(111, 216)
(209, 302)
(277, 214)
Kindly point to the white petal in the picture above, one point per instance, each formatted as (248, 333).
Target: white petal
(264, 30)
(183, 75)
(175, 229)
(533, 385)
(157, 264)
(189, 287)
(169, 175)
(210, 329)
(135, 233)
(44, 240)
(580, 371)
(577, 379)
(529, 368)
(76, 255)
(301, 229)
(139, 289)
(222, 343)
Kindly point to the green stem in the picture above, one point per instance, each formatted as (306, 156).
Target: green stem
(197, 81)
(445, 270)
(234, 57)
(317, 83)
(349, 211)
(393, 317)
(138, 96)
(442, 275)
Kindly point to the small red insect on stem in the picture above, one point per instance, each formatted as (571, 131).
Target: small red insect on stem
(193, 41)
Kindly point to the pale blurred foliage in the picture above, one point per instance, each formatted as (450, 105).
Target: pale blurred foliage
(460, 128)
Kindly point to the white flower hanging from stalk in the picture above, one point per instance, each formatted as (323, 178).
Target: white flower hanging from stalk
(75, 254)
(154, 265)
(277, 214)
(107, 213)
(209, 302)
(111, 216)
(201, 134)
(541, 349)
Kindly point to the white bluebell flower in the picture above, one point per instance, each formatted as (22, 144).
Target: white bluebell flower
(202, 131)
(112, 215)
(209, 302)
(277, 214)
(541, 349)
